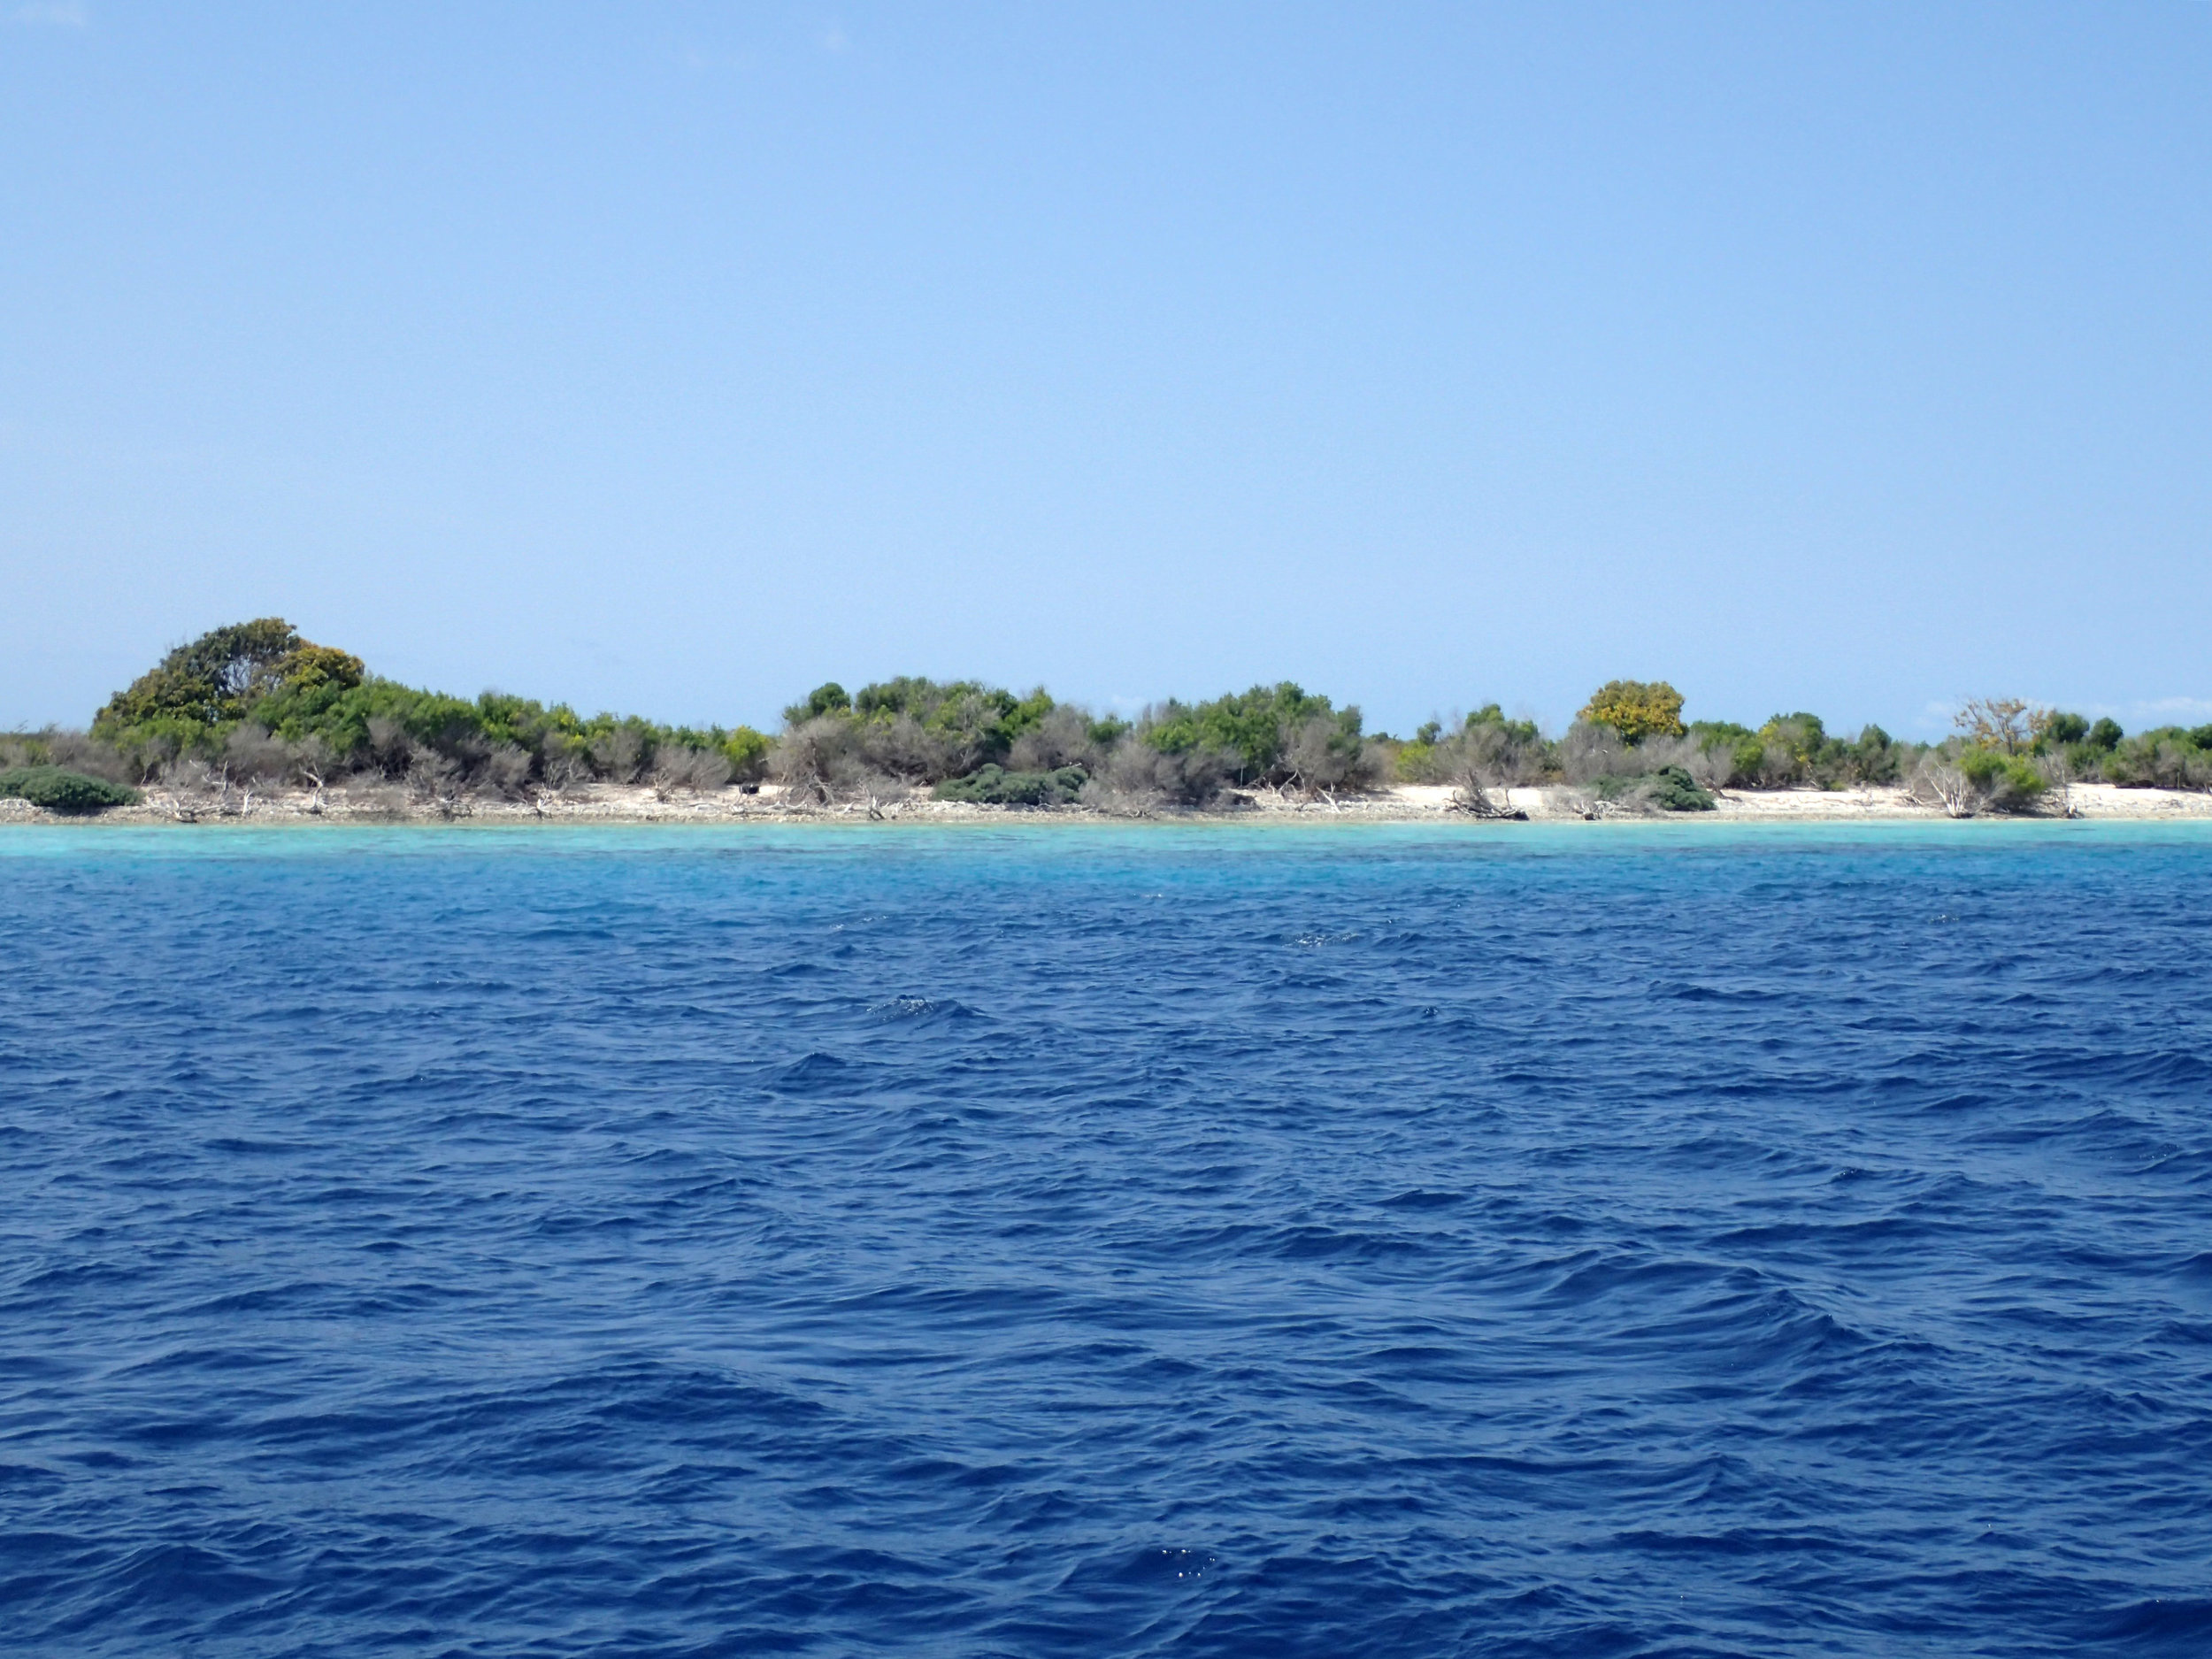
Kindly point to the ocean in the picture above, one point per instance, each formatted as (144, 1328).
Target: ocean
(1074, 1240)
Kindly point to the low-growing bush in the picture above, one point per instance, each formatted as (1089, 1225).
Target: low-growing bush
(1669, 789)
(2008, 783)
(1136, 779)
(60, 791)
(993, 786)
(2166, 758)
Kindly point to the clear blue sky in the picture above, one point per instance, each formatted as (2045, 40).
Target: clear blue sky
(674, 359)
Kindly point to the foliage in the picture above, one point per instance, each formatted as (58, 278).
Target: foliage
(1275, 736)
(256, 698)
(219, 677)
(747, 751)
(1713, 735)
(1636, 709)
(1669, 789)
(913, 729)
(992, 785)
(827, 698)
(255, 701)
(1875, 758)
(2006, 725)
(60, 791)
(2170, 757)
(2006, 782)
(1138, 778)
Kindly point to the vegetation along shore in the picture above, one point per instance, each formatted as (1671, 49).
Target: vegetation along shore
(253, 722)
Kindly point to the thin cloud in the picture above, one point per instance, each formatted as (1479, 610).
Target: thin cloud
(52, 14)
(833, 39)
(701, 62)
(2174, 710)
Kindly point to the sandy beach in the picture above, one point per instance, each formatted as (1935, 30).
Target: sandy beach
(1403, 803)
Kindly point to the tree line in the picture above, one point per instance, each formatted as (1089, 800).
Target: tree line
(255, 706)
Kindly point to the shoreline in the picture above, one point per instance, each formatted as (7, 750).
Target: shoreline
(639, 803)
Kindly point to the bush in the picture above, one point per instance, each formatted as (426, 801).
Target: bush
(1873, 759)
(2010, 783)
(1066, 737)
(919, 730)
(1138, 778)
(827, 698)
(1271, 734)
(1591, 751)
(992, 785)
(224, 673)
(747, 751)
(59, 791)
(1507, 751)
(2105, 735)
(1674, 790)
(2166, 758)
(1669, 789)
(1748, 760)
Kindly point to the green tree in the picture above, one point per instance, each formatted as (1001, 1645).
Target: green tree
(827, 698)
(1256, 730)
(218, 679)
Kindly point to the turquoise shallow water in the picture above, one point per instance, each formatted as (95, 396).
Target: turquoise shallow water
(1077, 1239)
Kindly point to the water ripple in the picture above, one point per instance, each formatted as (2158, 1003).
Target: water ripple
(1379, 1242)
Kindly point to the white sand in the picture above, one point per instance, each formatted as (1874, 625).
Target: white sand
(1406, 802)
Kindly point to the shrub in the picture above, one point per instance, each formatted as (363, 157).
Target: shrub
(1257, 731)
(992, 785)
(1674, 790)
(1669, 789)
(1873, 759)
(683, 766)
(1417, 762)
(816, 761)
(1507, 752)
(1801, 736)
(2009, 724)
(59, 791)
(2105, 735)
(2010, 783)
(922, 730)
(2165, 758)
(219, 677)
(2064, 729)
(747, 751)
(1491, 752)
(827, 698)
(1138, 778)
(1636, 709)
(1591, 751)
(1067, 736)
(1324, 754)
(1748, 760)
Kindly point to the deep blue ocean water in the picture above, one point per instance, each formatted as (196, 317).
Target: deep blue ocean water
(1078, 1241)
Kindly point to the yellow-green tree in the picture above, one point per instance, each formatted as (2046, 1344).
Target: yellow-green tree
(1637, 709)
